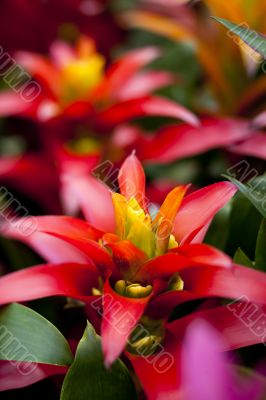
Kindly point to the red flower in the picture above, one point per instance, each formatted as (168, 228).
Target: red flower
(74, 85)
(142, 266)
(78, 95)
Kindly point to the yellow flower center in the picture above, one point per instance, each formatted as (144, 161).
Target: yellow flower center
(133, 290)
(147, 337)
(134, 224)
(84, 145)
(82, 74)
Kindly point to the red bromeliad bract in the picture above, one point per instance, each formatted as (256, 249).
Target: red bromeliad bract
(74, 85)
(76, 110)
(134, 268)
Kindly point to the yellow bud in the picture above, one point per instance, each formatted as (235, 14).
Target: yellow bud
(172, 242)
(138, 291)
(96, 292)
(120, 287)
(146, 345)
(176, 283)
(133, 290)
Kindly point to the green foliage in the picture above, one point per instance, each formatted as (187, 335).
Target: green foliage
(255, 40)
(241, 258)
(244, 225)
(260, 254)
(88, 378)
(254, 191)
(218, 232)
(24, 333)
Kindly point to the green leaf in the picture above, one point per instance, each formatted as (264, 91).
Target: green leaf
(260, 253)
(218, 232)
(88, 378)
(254, 191)
(24, 334)
(241, 258)
(256, 40)
(244, 226)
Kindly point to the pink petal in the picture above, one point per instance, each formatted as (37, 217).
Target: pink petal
(132, 179)
(12, 104)
(12, 376)
(211, 379)
(260, 120)
(95, 201)
(143, 84)
(254, 146)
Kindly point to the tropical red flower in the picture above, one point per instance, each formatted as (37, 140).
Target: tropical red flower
(75, 85)
(129, 266)
(79, 105)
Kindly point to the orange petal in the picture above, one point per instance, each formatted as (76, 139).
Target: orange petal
(163, 223)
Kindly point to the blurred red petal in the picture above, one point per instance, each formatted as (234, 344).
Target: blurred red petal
(254, 146)
(181, 141)
(145, 106)
(33, 176)
(124, 69)
(12, 104)
(143, 84)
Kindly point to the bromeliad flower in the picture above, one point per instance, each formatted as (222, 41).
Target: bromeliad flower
(131, 266)
(75, 85)
(79, 102)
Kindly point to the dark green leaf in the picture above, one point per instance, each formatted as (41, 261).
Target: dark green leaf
(241, 258)
(88, 378)
(244, 225)
(260, 254)
(254, 191)
(255, 40)
(218, 232)
(27, 335)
